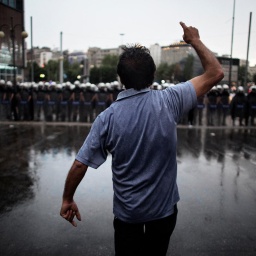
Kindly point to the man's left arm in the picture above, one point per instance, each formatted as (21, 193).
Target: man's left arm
(69, 208)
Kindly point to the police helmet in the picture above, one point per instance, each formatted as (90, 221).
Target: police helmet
(253, 88)
(76, 83)
(225, 87)
(94, 88)
(82, 85)
(240, 89)
(59, 86)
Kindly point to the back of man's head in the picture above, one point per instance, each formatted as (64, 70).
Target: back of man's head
(136, 67)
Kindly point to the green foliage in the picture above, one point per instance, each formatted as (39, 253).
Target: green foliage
(107, 72)
(242, 74)
(177, 73)
(37, 71)
(52, 70)
(72, 71)
(95, 75)
(174, 72)
(110, 61)
(165, 72)
(188, 68)
(103, 74)
(254, 78)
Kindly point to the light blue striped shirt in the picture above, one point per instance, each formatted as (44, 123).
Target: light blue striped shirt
(139, 130)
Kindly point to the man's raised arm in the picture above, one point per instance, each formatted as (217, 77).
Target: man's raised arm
(213, 72)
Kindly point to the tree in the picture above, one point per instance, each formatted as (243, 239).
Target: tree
(95, 75)
(188, 68)
(52, 70)
(254, 78)
(37, 72)
(172, 73)
(177, 73)
(106, 72)
(110, 61)
(72, 71)
(242, 74)
(164, 72)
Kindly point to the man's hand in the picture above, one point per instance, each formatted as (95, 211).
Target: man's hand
(69, 210)
(213, 72)
(190, 33)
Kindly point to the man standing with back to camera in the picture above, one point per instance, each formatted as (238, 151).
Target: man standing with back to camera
(139, 130)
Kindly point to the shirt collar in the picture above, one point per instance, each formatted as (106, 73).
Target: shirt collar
(130, 92)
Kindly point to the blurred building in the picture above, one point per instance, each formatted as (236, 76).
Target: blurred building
(42, 55)
(96, 55)
(76, 57)
(178, 53)
(252, 70)
(155, 51)
(82, 59)
(12, 44)
(226, 62)
(243, 62)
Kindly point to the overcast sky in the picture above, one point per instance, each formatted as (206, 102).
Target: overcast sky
(99, 23)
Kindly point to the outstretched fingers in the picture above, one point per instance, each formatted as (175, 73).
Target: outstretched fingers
(184, 26)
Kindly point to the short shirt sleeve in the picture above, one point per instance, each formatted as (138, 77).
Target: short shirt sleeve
(181, 98)
(93, 152)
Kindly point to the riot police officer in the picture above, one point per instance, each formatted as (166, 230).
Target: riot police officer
(212, 96)
(109, 95)
(25, 97)
(238, 106)
(224, 103)
(65, 108)
(75, 101)
(2, 90)
(251, 98)
(199, 110)
(40, 101)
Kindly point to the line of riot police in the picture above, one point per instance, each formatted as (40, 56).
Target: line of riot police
(82, 102)
(78, 102)
(224, 106)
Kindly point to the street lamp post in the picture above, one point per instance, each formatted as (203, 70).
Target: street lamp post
(231, 53)
(24, 34)
(61, 60)
(122, 35)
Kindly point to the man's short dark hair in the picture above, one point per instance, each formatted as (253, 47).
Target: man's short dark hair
(136, 67)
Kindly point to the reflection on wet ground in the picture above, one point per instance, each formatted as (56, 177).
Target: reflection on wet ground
(19, 146)
(216, 178)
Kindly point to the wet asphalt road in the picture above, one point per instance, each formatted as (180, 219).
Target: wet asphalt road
(216, 179)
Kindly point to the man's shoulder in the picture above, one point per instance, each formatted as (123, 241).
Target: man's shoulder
(104, 115)
(181, 88)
